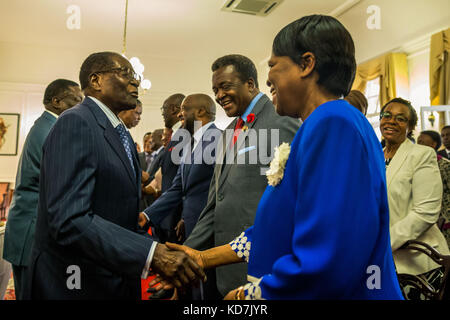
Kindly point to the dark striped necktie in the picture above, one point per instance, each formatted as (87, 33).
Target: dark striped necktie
(126, 143)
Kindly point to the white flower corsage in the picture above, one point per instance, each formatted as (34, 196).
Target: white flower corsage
(276, 172)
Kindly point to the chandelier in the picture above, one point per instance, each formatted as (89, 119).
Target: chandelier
(135, 62)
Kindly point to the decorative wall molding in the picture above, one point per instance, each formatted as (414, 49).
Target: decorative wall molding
(343, 8)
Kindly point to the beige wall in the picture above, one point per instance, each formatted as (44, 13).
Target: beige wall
(26, 69)
(25, 99)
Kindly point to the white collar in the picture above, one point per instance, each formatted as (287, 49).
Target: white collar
(52, 113)
(115, 120)
(199, 134)
(175, 127)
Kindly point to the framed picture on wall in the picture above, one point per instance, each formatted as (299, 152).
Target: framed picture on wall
(9, 133)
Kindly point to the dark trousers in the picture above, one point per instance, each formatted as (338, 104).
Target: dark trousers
(20, 279)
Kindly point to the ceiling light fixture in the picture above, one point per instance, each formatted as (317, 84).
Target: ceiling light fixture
(135, 62)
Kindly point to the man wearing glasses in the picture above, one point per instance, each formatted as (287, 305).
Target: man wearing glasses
(87, 244)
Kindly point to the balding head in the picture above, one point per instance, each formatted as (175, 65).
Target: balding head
(202, 101)
(197, 107)
(175, 99)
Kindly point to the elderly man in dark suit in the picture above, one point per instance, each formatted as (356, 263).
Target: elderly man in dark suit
(237, 184)
(59, 96)
(86, 242)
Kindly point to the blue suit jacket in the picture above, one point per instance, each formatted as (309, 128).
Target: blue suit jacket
(21, 223)
(190, 185)
(88, 212)
(165, 230)
(330, 215)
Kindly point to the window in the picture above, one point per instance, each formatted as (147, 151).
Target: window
(372, 94)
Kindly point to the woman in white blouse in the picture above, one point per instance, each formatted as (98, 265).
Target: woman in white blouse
(414, 193)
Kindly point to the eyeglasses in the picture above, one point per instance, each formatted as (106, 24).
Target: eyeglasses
(398, 118)
(124, 72)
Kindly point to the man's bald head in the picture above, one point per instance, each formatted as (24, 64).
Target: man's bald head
(197, 107)
(201, 101)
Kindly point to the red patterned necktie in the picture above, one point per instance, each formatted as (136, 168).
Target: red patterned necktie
(237, 131)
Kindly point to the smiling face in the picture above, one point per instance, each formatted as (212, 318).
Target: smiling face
(231, 93)
(393, 130)
(286, 85)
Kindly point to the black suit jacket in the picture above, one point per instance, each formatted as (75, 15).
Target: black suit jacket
(142, 160)
(443, 153)
(165, 231)
(190, 185)
(88, 212)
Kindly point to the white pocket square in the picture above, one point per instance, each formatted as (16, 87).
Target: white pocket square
(242, 151)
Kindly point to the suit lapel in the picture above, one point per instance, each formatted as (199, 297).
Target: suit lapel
(397, 161)
(186, 168)
(223, 148)
(259, 106)
(112, 137)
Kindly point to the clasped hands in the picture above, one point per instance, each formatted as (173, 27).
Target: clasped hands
(175, 268)
(198, 261)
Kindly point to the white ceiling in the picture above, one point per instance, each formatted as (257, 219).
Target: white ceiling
(177, 40)
(168, 28)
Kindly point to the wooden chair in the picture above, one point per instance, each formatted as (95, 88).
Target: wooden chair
(420, 283)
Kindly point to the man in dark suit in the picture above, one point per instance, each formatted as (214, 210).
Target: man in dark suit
(132, 117)
(236, 188)
(170, 110)
(191, 184)
(145, 156)
(152, 148)
(445, 135)
(59, 96)
(86, 242)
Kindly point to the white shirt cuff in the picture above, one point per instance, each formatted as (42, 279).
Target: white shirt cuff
(146, 216)
(144, 274)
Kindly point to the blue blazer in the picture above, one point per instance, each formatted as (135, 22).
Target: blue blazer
(88, 212)
(165, 230)
(19, 232)
(190, 185)
(323, 231)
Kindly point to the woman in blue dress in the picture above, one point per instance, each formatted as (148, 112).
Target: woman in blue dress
(322, 226)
